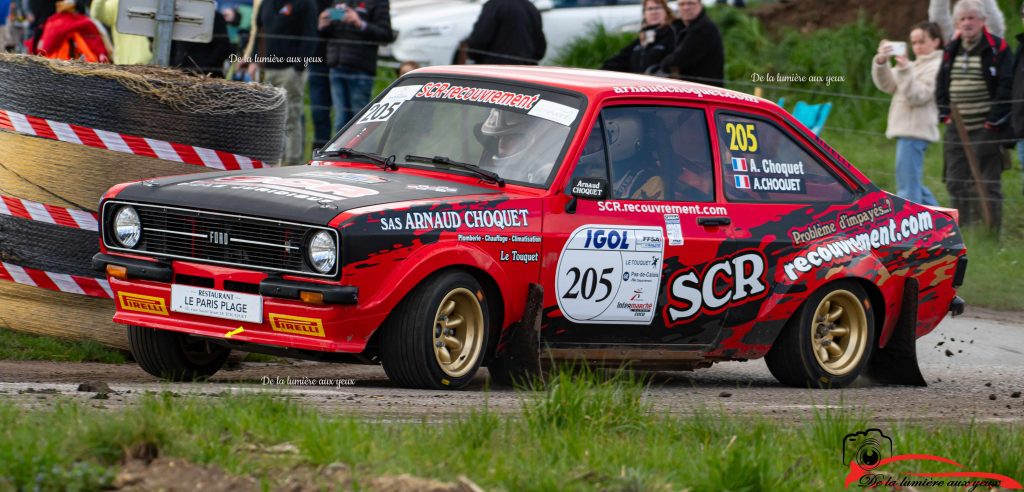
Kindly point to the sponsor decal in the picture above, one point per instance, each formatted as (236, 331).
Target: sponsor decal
(596, 188)
(684, 89)
(673, 230)
(297, 325)
(450, 219)
(345, 176)
(557, 112)
(444, 90)
(724, 283)
(439, 189)
(387, 106)
(801, 235)
(610, 274)
(658, 208)
(142, 304)
(876, 237)
(518, 257)
(298, 188)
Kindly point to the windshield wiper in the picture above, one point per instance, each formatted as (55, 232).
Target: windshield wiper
(439, 159)
(385, 162)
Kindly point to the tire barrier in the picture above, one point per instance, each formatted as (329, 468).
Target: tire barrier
(153, 102)
(68, 132)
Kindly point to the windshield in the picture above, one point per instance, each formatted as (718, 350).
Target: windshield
(517, 132)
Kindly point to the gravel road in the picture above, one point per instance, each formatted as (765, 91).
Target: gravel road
(974, 365)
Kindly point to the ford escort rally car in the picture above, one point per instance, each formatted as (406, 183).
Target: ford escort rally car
(504, 216)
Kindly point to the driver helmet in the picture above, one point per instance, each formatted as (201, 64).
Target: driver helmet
(513, 132)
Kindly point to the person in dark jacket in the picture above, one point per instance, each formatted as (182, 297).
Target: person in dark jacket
(977, 77)
(655, 41)
(356, 31)
(204, 58)
(1017, 96)
(319, 79)
(699, 54)
(508, 32)
(286, 38)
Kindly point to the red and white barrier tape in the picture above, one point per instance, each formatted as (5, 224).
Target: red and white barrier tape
(60, 282)
(129, 144)
(40, 212)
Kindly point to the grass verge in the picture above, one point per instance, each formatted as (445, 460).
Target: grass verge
(583, 432)
(24, 346)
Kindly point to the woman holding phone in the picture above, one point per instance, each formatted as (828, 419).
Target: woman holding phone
(655, 40)
(912, 111)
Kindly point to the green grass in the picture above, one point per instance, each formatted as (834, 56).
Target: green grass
(23, 346)
(584, 432)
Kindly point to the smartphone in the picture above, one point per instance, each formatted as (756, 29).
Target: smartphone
(899, 48)
(337, 13)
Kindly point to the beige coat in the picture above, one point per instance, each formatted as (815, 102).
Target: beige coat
(912, 112)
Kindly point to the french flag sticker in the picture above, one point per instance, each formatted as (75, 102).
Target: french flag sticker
(739, 164)
(742, 181)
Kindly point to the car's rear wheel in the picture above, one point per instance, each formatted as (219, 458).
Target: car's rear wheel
(175, 356)
(435, 338)
(828, 342)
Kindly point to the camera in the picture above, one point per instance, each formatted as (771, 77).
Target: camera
(866, 448)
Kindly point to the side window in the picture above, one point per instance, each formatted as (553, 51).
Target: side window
(653, 153)
(761, 163)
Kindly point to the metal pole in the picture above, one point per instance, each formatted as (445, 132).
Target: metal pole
(164, 28)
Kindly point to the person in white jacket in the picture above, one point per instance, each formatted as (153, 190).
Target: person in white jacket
(912, 111)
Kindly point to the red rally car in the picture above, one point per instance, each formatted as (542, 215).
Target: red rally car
(505, 216)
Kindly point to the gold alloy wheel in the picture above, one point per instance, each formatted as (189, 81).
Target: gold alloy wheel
(839, 332)
(458, 332)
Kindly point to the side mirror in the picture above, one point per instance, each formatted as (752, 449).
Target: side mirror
(544, 5)
(590, 188)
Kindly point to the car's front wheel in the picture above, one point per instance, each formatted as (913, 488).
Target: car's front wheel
(828, 342)
(435, 338)
(175, 356)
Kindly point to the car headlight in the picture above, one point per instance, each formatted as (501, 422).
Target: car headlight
(127, 227)
(323, 252)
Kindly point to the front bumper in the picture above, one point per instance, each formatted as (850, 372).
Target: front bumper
(144, 299)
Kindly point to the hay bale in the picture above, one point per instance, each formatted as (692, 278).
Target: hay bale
(153, 102)
(70, 175)
(59, 314)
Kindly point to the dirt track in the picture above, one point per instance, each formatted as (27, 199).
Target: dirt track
(981, 357)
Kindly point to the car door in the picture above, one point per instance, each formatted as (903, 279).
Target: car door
(783, 194)
(630, 269)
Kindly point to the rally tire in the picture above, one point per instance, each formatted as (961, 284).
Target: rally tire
(828, 341)
(449, 309)
(175, 356)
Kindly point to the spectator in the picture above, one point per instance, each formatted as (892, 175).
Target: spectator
(70, 35)
(355, 33)
(1017, 96)
(699, 54)
(319, 75)
(129, 49)
(938, 12)
(654, 42)
(286, 32)
(204, 58)
(912, 112)
(977, 76)
(735, 3)
(508, 32)
(41, 11)
(406, 67)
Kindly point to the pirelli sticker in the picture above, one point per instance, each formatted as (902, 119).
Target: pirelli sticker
(297, 325)
(142, 304)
